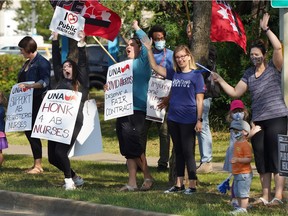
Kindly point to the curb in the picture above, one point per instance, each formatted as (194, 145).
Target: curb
(41, 205)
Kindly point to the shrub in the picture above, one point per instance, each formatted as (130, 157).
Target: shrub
(10, 65)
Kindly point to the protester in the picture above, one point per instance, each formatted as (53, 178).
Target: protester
(130, 128)
(269, 111)
(185, 111)
(205, 136)
(72, 76)
(36, 69)
(237, 112)
(163, 56)
(241, 167)
(3, 139)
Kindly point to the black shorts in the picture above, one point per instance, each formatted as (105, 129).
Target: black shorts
(130, 134)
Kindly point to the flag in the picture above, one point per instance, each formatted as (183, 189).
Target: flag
(226, 25)
(99, 20)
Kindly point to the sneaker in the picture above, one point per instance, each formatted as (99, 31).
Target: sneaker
(69, 184)
(78, 181)
(175, 189)
(190, 191)
(234, 203)
(162, 168)
(205, 168)
(239, 211)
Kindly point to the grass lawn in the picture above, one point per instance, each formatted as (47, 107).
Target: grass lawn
(103, 180)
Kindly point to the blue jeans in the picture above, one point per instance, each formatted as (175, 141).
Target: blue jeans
(205, 137)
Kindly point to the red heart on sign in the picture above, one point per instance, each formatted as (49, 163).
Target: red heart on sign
(72, 18)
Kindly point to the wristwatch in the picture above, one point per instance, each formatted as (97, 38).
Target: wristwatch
(200, 119)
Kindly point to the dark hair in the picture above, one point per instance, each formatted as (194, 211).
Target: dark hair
(28, 44)
(137, 40)
(260, 45)
(156, 28)
(75, 72)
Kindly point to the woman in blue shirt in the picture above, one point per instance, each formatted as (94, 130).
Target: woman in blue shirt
(185, 111)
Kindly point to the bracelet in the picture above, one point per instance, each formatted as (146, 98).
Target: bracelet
(266, 30)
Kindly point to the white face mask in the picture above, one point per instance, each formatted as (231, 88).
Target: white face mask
(238, 116)
(237, 135)
(160, 45)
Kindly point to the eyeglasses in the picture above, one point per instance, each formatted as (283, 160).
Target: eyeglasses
(180, 57)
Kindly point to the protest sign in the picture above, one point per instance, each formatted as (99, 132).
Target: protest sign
(89, 140)
(158, 88)
(283, 154)
(19, 109)
(119, 96)
(67, 23)
(57, 116)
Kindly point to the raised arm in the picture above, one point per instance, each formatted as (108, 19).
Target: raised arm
(277, 47)
(234, 92)
(157, 68)
(56, 57)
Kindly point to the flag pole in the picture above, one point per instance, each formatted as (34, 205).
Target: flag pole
(105, 49)
(188, 16)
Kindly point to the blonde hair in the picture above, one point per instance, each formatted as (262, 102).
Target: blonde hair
(179, 48)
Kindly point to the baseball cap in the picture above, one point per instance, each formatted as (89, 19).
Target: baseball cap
(240, 125)
(236, 104)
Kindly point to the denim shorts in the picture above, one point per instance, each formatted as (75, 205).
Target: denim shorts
(242, 183)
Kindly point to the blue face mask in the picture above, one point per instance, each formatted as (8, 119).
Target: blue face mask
(237, 135)
(160, 45)
(238, 116)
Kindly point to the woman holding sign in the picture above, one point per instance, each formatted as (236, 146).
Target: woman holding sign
(74, 77)
(185, 111)
(36, 69)
(130, 128)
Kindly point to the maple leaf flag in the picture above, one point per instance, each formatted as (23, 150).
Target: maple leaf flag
(226, 25)
(99, 20)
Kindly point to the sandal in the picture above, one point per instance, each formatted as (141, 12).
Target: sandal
(35, 170)
(147, 184)
(261, 200)
(275, 202)
(128, 188)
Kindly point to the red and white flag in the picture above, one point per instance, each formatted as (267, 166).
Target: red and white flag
(226, 25)
(99, 20)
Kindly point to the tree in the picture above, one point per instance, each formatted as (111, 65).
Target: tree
(44, 13)
(5, 3)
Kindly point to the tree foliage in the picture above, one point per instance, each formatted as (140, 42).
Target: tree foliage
(44, 13)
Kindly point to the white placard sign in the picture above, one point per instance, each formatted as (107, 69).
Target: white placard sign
(19, 109)
(89, 140)
(158, 88)
(57, 116)
(119, 96)
(67, 23)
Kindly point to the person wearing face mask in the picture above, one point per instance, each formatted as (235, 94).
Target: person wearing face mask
(237, 112)
(269, 111)
(240, 162)
(163, 57)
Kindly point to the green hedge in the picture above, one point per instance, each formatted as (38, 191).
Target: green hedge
(10, 65)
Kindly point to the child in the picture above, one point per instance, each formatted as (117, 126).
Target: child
(241, 167)
(237, 112)
(3, 140)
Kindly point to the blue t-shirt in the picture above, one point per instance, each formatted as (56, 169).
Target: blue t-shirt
(165, 59)
(182, 104)
(141, 76)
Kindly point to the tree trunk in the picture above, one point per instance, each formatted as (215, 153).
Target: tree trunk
(199, 46)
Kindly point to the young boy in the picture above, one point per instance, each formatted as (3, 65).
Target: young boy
(241, 168)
